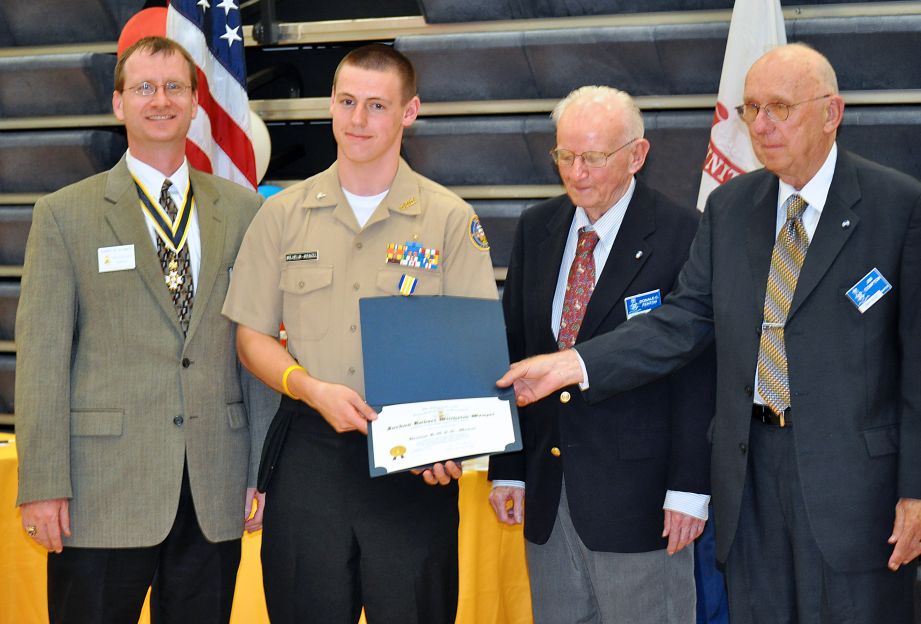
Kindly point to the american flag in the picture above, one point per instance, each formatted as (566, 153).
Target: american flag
(220, 139)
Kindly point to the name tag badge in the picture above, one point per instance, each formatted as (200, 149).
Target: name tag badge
(868, 290)
(303, 255)
(120, 258)
(642, 303)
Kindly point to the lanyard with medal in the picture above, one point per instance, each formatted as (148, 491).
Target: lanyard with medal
(173, 234)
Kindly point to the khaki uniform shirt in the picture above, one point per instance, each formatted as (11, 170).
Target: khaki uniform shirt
(305, 261)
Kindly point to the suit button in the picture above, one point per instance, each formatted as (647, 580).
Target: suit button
(186, 362)
(743, 447)
(555, 451)
(749, 391)
(564, 397)
(178, 421)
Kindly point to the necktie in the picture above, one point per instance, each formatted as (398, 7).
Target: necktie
(786, 262)
(579, 287)
(176, 267)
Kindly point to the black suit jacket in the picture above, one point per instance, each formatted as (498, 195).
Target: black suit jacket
(620, 455)
(855, 379)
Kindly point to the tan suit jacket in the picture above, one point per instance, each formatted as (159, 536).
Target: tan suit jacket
(110, 397)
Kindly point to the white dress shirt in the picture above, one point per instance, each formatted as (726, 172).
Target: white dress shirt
(607, 227)
(152, 180)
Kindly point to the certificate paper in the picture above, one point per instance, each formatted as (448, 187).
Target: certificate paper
(409, 435)
(431, 365)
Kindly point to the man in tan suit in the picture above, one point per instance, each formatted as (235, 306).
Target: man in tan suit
(137, 434)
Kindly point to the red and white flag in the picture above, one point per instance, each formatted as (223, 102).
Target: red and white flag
(220, 139)
(756, 27)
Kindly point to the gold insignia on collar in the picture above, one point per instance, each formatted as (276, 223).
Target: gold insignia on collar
(409, 203)
(321, 195)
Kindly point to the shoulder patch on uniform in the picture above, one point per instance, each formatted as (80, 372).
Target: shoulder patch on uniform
(477, 234)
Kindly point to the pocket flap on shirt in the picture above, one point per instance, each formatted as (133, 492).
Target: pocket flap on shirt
(428, 282)
(96, 422)
(305, 279)
(882, 440)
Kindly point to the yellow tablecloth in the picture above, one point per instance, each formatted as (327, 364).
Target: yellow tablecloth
(493, 578)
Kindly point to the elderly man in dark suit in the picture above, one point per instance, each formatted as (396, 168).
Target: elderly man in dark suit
(806, 274)
(592, 479)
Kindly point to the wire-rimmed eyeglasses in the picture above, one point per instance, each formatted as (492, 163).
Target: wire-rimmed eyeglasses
(776, 111)
(171, 88)
(566, 158)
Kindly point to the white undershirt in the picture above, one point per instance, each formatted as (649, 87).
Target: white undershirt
(363, 206)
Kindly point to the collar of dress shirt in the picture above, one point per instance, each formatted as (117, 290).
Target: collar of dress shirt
(815, 192)
(152, 179)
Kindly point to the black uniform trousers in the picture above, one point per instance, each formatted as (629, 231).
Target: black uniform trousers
(775, 571)
(192, 579)
(334, 539)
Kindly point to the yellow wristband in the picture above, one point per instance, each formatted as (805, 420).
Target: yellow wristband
(284, 379)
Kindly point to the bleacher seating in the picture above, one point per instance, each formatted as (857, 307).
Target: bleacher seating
(473, 10)
(499, 218)
(514, 150)
(7, 387)
(50, 22)
(44, 161)
(63, 84)
(15, 222)
(669, 59)
(9, 298)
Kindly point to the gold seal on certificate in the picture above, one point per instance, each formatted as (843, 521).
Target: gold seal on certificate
(418, 434)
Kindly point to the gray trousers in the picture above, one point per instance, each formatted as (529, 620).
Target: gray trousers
(775, 571)
(571, 584)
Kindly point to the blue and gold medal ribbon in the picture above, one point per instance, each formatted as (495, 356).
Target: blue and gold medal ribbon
(174, 235)
(407, 285)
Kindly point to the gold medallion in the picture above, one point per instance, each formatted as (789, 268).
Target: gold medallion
(173, 281)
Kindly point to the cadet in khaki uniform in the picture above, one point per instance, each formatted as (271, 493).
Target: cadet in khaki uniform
(336, 540)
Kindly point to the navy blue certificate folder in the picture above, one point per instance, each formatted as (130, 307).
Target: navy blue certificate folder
(422, 348)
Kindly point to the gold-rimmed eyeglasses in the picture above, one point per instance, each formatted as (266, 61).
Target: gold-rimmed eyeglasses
(566, 158)
(776, 111)
(171, 88)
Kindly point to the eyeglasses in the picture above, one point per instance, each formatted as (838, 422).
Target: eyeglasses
(566, 158)
(776, 111)
(149, 89)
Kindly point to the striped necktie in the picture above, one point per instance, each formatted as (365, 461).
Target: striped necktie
(786, 263)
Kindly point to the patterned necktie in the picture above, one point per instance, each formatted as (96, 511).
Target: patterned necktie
(176, 267)
(786, 262)
(579, 287)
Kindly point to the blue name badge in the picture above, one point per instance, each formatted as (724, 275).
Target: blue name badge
(868, 290)
(642, 303)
